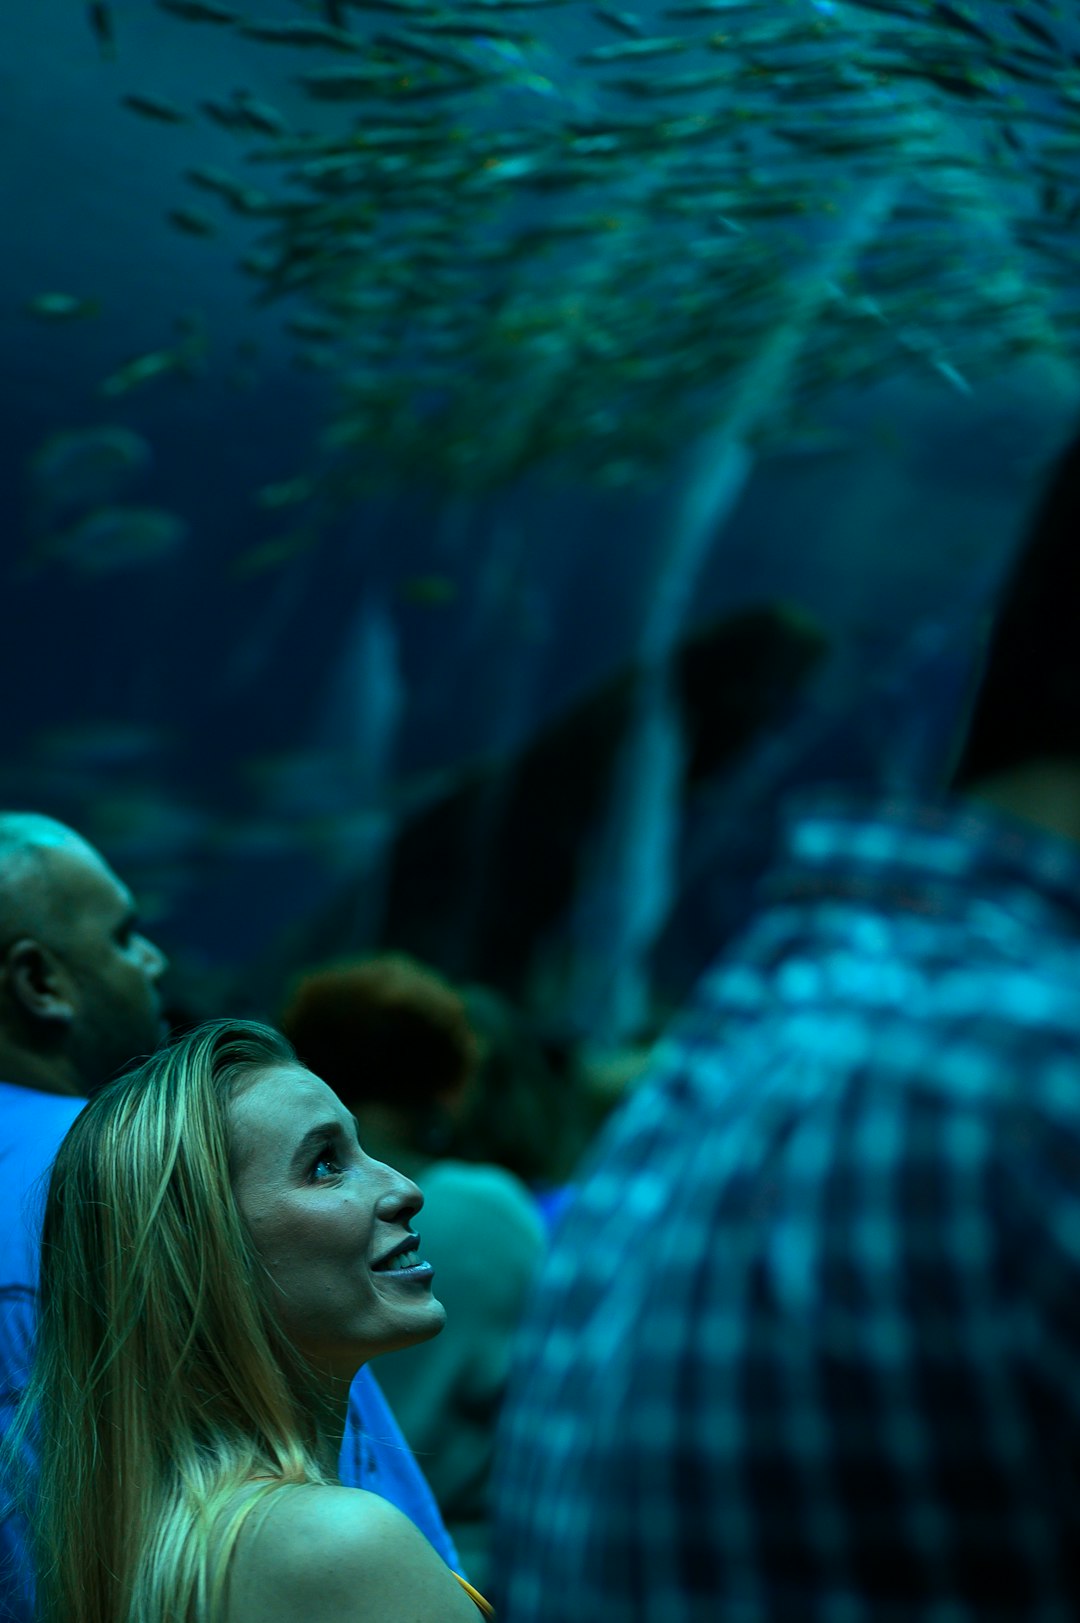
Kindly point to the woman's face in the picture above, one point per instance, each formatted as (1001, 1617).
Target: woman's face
(331, 1226)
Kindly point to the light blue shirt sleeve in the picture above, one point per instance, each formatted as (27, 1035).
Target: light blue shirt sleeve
(375, 1455)
(32, 1125)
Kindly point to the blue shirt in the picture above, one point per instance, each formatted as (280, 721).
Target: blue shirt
(807, 1345)
(32, 1125)
(374, 1453)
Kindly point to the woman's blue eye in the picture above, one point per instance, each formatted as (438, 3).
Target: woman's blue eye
(325, 1158)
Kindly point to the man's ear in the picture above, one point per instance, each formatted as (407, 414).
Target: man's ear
(36, 983)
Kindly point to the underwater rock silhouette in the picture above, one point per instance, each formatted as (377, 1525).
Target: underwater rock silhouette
(484, 877)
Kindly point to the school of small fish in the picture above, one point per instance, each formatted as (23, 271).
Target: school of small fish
(552, 234)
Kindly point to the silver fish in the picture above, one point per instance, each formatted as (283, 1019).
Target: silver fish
(116, 538)
(636, 49)
(295, 32)
(623, 22)
(62, 307)
(199, 11)
(85, 466)
(100, 17)
(154, 107)
(193, 222)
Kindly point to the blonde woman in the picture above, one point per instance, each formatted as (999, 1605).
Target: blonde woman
(219, 1256)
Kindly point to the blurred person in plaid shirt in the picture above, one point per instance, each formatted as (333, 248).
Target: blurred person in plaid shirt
(807, 1346)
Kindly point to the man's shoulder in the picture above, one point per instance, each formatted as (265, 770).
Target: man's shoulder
(990, 1060)
(28, 1113)
(32, 1128)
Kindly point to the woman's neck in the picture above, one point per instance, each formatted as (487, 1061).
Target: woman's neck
(327, 1405)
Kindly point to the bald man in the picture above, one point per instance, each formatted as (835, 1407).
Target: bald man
(79, 1001)
(79, 996)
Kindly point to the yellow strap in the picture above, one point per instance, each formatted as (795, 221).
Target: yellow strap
(474, 1594)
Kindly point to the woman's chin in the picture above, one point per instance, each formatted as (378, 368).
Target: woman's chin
(425, 1324)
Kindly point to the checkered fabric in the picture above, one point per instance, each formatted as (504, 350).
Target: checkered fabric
(807, 1345)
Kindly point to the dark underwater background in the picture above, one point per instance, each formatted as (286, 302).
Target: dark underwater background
(418, 722)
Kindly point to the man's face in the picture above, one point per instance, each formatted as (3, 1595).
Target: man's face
(107, 968)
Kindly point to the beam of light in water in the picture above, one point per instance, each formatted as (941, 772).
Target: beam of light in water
(627, 896)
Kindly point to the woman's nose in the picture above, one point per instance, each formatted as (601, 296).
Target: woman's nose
(401, 1199)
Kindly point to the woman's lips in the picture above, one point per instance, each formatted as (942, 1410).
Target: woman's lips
(417, 1273)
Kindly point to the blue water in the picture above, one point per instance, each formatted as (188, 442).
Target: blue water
(550, 587)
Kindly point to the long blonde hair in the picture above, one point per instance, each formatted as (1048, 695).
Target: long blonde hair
(161, 1381)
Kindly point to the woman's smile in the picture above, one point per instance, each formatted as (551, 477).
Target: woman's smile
(402, 1261)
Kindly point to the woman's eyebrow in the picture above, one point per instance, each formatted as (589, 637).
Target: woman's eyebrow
(314, 1139)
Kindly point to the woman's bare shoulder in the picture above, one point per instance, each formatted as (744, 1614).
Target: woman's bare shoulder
(339, 1555)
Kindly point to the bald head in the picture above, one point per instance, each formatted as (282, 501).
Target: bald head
(30, 886)
(25, 830)
(78, 981)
